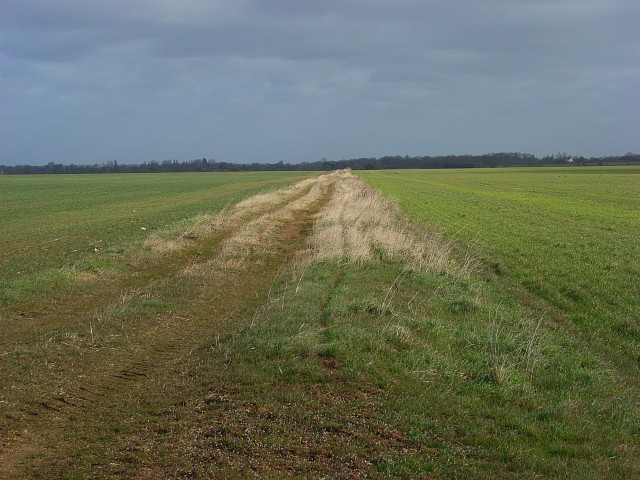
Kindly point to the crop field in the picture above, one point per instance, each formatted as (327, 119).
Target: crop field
(390, 324)
(569, 237)
(51, 221)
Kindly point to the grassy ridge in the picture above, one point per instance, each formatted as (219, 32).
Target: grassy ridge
(443, 378)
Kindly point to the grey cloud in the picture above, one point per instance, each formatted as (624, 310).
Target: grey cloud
(299, 80)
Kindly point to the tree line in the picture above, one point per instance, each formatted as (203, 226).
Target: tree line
(505, 159)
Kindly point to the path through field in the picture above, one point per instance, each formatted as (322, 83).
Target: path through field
(308, 332)
(92, 373)
(82, 396)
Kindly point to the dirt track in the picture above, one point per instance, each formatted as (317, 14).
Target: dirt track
(50, 416)
(126, 353)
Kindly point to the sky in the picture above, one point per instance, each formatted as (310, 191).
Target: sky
(90, 81)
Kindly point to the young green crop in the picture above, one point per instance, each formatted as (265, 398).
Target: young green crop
(50, 222)
(70, 214)
(568, 237)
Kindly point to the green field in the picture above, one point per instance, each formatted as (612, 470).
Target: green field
(567, 236)
(52, 220)
(486, 329)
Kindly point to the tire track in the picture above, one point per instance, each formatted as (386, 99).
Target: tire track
(112, 380)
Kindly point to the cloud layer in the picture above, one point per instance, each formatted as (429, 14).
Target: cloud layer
(265, 80)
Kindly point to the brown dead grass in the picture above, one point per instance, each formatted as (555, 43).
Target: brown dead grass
(172, 240)
(168, 241)
(249, 242)
(357, 224)
(360, 224)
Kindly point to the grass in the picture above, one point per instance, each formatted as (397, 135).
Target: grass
(266, 347)
(414, 386)
(54, 219)
(79, 353)
(566, 236)
(54, 224)
(327, 380)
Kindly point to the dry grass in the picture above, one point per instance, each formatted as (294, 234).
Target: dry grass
(259, 203)
(357, 224)
(250, 241)
(360, 224)
(183, 235)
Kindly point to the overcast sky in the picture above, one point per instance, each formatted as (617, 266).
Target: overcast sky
(89, 81)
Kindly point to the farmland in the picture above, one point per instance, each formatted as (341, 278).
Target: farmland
(51, 221)
(568, 237)
(480, 324)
